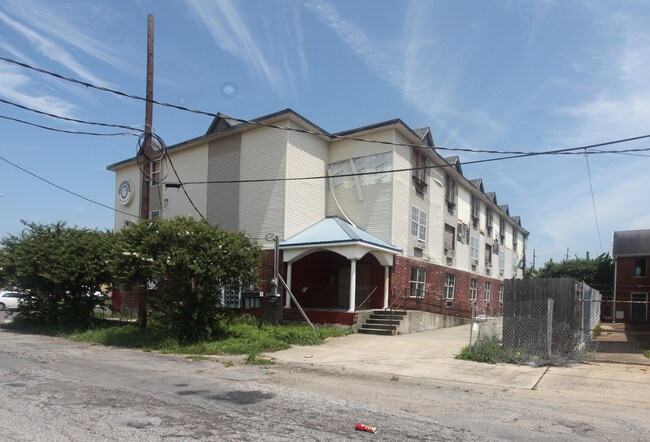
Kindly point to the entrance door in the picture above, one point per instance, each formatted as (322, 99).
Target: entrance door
(639, 307)
(362, 286)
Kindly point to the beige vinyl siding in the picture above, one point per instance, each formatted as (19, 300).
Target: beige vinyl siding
(131, 173)
(462, 260)
(436, 194)
(261, 206)
(191, 165)
(374, 213)
(223, 199)
(306, 199)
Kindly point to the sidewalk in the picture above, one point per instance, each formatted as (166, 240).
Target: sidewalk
(430, 355)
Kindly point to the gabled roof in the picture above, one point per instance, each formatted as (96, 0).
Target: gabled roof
(478, 183)
(334, 230)
(517, 219)
(221, 122)
(425, 135)
(505, 208)
(631, 243)
(492, 196)
(455, 163)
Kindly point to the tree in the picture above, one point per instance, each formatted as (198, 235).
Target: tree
(187, 263)
(596, 272)
(62, 267)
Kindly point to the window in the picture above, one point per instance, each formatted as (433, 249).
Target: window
(419, 223)
(155, 173)
(488, 221)
(502, 260)
(488, 254)
(514, 239)
(463, 233)
(154, 214)
(502, 229)
(450, 282)
(450, 240)
(418, 276)
(515, 264)
(488, 288)
(639, 267)
(476, 210)
(501, 293)
(450, 193)
(419, 162)
(473, 248)
(473, 289)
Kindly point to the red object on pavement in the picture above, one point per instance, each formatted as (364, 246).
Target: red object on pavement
(364, 427)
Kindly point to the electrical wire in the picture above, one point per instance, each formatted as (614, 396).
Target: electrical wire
(66, 190)
(74, 132)
(305, 131)
(60, 117)
(171, 163)
(593, 202)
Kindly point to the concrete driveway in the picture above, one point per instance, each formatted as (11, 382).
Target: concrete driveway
(430, 355)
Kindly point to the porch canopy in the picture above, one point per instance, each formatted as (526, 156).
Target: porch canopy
(336, 235)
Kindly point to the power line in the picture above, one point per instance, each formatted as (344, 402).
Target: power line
(74, 132)
(185, 191)
(60, 117)
(593, 202)
(64, 189)
(305, 131)
(345, 175)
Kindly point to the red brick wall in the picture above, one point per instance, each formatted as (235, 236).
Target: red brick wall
(435, 284)
(627, 283)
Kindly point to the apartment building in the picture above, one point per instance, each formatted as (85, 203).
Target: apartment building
(368, 218)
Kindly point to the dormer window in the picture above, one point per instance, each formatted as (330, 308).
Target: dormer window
(420, 171)
(476, 210)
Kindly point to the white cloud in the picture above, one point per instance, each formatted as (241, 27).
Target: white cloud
(66, 25)
(13, 87)
(224, 23)
(51, 50)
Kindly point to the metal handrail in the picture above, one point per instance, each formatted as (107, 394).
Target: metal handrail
(393, 310)
(365, 300)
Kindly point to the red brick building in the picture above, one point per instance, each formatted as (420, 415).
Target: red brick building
(631, 251)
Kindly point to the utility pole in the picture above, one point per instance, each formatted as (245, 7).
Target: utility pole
(146, 153)
(534, 256)
(567, 254)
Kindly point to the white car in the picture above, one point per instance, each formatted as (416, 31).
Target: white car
(10, 300)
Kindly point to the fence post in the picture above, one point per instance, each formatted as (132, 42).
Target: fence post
(549, 326)
(471, 329)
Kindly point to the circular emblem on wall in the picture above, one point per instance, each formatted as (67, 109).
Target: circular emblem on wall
(125, 193)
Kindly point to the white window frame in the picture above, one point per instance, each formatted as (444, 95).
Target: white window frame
(418, 224)
(155, 172)
(450, 286)
(154, 214)
(501, 293)
(643, 269)
(418, 284)
(488, 290)
(502, 259)
(474, 244)
(473, 289)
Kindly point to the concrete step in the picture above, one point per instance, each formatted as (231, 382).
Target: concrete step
(374, 331)
(382, 321)
(385, 313)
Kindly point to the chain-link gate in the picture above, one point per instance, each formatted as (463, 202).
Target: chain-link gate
(617, 341)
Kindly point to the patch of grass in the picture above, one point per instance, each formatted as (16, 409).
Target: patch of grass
(394, 378)
(228, 364)
(489, 350)
(254, 359)
(241, 336)
(598, 330)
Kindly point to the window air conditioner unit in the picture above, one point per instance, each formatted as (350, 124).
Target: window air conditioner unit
(501, 272)
(474, 262)
(450, 253)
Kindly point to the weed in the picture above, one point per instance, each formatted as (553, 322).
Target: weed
(228, 364)
(394, 378)
(254, 359)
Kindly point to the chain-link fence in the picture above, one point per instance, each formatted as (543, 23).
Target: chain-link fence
(528, 333)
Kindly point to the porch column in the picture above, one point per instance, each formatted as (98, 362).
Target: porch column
(386, 282)
(353, 285)
(287, 301)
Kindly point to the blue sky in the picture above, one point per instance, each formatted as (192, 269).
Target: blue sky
(524, 75)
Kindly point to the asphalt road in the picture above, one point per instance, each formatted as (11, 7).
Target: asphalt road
(53, 389)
